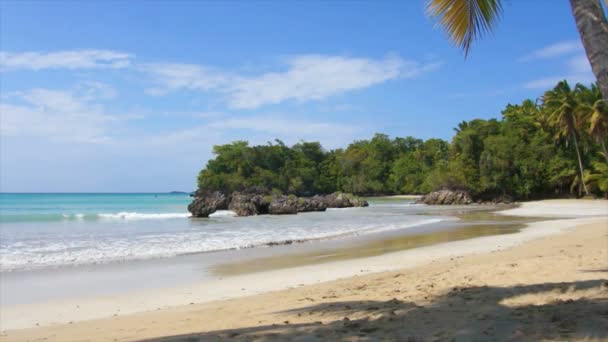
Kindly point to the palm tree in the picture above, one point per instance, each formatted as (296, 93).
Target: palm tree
(594, 111)
(468, 20)
(561, 105)
(461, 126)
(599, 177)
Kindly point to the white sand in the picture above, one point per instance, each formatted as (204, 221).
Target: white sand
(23, 316)
(560, 208)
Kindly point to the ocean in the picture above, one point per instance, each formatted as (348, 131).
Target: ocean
(42, 231)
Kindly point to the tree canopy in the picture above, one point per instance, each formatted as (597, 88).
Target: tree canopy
(547, 148)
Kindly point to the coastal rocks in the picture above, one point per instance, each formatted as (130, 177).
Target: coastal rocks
(206, 203)
(315, 203)
(446, 197)
(342, 200)
(242, 204)
(247, 204)
(283, 205)
(259, 201)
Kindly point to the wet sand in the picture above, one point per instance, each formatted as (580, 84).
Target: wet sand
(472, 223)
(366, 249)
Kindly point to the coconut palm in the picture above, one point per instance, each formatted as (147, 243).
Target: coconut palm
(468, 20)
(561, 105)
(599, 177)
(598, 124)
(593, 110)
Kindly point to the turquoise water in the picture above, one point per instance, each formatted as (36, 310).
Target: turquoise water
(54, 230)
(59, 207)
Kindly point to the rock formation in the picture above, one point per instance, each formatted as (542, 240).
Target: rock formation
(315, 203)
(442, 197)
(342, 200)
(282, 205)
(258, 201)
(206, 203)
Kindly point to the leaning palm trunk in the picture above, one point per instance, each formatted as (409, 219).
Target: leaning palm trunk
(593, 28)
(580, 163)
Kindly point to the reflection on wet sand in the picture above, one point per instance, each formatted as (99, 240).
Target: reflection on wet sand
(477, 224)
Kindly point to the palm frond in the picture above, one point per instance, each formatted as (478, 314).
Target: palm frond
(465, 20)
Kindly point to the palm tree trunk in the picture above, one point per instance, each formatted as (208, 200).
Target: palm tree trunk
(593, 28)
(580, 163)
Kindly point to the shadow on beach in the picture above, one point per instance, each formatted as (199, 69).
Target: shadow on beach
(461, 314)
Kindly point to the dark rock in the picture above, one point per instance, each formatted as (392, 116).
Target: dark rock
(249, 203)
(206, 203)
(308, 204)
(342, 200)
(242, 204)
(258, 201)
(446, 197)
(283, 205)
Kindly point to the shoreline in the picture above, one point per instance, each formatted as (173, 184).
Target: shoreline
(148, 302)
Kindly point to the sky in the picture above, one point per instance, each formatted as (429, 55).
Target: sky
(132, 96)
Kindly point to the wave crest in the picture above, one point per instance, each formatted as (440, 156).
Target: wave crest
(124, 215)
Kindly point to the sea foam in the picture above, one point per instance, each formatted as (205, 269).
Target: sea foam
(83, 250)
(142, 216)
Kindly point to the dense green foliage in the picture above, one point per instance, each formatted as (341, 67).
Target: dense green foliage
(555, 147)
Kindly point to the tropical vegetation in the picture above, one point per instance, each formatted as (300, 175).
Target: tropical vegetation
(552, 147)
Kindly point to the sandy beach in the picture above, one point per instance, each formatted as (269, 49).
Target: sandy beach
(549, 281)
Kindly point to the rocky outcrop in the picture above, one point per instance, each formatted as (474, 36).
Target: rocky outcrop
(206, 203)
(258, 201)
(283, 205)
(242, 204)
(446, 197)
(342, 200)
(308, 204)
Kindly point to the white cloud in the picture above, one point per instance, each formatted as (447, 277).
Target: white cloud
(68, 59)
(577, 70)
(256, 129)
(554, 50)
(315, 77)
(92, 90)
(57, 115)
(171, 76)
(579, 64)
(307, 77)
(550, 82)
(275, 125)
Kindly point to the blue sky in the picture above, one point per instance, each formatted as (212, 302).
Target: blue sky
(131, 96)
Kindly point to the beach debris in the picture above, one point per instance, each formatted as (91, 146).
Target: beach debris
(307, 298)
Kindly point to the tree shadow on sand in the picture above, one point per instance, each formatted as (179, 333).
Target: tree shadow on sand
(462, 314)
